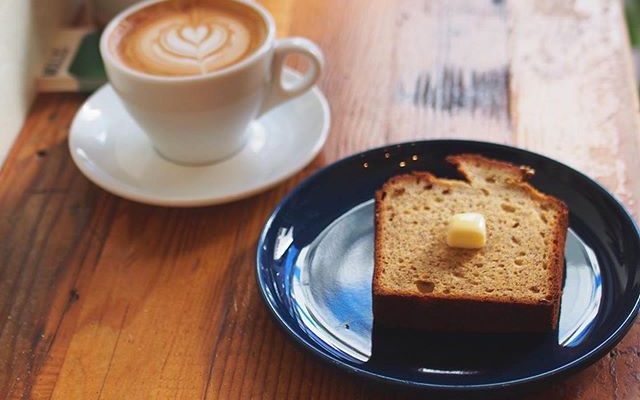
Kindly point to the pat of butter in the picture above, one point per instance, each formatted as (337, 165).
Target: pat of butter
(467, 231)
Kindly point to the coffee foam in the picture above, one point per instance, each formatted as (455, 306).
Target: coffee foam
(167, 39)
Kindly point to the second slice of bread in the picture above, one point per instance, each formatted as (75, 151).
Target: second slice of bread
(512, 284)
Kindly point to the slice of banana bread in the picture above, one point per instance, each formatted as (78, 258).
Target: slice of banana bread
(512, 284)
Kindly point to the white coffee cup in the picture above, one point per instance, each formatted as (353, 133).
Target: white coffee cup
(200, 119)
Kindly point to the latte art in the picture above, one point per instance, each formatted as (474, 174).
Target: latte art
(166, 40)
(185, 49)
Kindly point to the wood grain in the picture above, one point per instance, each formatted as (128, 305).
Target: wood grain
(102, 298)
(570, 71)
(574, 99)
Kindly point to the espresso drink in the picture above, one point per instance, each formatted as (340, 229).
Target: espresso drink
(187, 37)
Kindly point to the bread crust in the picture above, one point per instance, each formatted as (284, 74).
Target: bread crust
(480, 313)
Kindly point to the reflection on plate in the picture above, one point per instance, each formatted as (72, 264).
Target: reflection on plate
(331, 278)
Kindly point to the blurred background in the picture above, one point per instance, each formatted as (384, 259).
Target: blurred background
(632, 11)
(39, 52)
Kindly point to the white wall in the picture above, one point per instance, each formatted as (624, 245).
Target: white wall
(26, 29)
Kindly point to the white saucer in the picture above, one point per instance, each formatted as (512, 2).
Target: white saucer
(112, 151)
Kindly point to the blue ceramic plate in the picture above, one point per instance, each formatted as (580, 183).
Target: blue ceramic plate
(315, 261)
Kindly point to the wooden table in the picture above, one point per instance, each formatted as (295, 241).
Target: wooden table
(103, 298)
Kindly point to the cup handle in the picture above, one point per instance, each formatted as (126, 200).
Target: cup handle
(279, 93)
